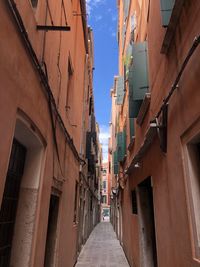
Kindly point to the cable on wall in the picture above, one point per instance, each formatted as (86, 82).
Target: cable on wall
(47, 89)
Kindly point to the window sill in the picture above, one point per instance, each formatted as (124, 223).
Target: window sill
(172, 26)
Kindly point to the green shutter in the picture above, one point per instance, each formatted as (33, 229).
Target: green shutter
(138, 78)
(121, 145)
(166, 11)
(132, 128)
(134, 107)
(115, 163)
(120, 90)
(126, 8)
(128, 59)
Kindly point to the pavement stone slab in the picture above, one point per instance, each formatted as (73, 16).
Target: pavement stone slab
(102, 249)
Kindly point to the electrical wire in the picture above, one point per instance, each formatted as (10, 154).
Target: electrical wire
(47, 89)
(195, 44)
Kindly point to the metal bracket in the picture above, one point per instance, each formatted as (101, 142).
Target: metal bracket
(162, 128)
(53, 28)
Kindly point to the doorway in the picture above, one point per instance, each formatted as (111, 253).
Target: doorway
(147, 224)
(52, 232)
(10, 201)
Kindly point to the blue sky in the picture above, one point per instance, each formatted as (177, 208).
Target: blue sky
(102, 17)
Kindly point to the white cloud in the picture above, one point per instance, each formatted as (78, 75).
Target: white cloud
(90, 4)
(103, 136)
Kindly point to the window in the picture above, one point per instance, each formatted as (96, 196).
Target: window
(104, 171)
(134, 202)
(69, 84)
(34, 3)
(104, 199)
(104, 184)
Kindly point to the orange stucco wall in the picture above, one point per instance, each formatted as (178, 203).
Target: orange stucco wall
(174, 238)
(21, 89)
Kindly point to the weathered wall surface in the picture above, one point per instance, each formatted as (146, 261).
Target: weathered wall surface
(174, 220)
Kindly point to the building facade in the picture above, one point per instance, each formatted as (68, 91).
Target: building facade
(155, 132)
(105, 192)
(46, 71)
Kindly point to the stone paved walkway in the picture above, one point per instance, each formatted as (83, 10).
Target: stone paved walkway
(102, 249)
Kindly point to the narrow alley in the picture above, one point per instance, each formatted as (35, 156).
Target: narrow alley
(102, 249)
(100, 133)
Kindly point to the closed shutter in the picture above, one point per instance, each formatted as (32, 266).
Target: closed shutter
(138, 78)
(128, 59)
(115, 163)
(120, 90)
(126, 4)
(121, 145)
(126, 8)
(166, 11)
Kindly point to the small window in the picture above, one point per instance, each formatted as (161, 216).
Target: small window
(34, 3)
(104, 171)
(104, 184)
(104, 199)
(134, 202)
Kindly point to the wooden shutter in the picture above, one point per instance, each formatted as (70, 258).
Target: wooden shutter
(126, 8)
(121, 145)
(166, 11)
(138, 78)
(115, 163)
(120, 90)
